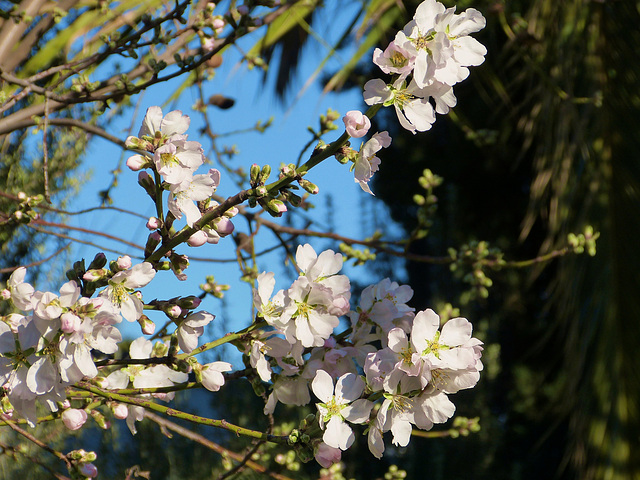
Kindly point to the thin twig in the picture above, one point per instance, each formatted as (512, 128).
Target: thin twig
(185, 432)
(14, 450)
(45, 150)
(33, 439)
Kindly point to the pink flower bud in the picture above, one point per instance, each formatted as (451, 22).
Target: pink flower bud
(174, 311)
(70, 322)
(147, 326)
(356, 123)
(124, 262)
(89, 470)
(224, 226)
(197, 239)
(6, 294)
(153, 223)
(136, 162)
(120, 411)
(143, 177)
(132, 142)
(74, 418)
(218, 25)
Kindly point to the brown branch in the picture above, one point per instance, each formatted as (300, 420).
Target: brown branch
(44, 223)
(36, 441)
(8, 448)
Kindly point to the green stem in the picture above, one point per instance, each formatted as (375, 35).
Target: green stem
(226, 339)
(151, 405)
(244, 195)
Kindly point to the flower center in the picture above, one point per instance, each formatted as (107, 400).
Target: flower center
(398, 60)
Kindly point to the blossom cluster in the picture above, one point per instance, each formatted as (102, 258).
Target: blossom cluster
(427, 58)
(389, 353)
(53, 342)
(388, 368)
(168, 152)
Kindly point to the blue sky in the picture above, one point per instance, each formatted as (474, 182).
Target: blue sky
(282, 142)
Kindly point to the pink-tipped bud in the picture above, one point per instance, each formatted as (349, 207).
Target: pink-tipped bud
(197, 239)
(136, 163)
(93, 275)
(224, 226)
(356, 123)
(218, 25)
(153, 223)
(146, 325)
(89, 470)
(120, 411)
(74, 418)
(6, 294)
(124, 262)
(174, 311)
(132, 142)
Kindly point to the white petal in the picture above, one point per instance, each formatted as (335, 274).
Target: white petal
(349, 387)
(358, 411)
(322, 386)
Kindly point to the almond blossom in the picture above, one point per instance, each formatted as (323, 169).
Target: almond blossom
(340, 404)
(120, 291)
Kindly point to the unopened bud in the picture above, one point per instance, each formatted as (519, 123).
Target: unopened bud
(69, 322)
(146, 325)
(197, 239)
(132, 142)
(275, 207)
(308, 186)
(153, 223)
(152, 242)
(189, 302)
(136, 163)
(120, 411)
(254, 173)
(5, 406)
(89, 470)
(264, 174)
(261, 191)
(243, 9)
(223, 226)
(174, 311)
(94, 274)
(99, 261)
(74, 418)
(102, 422)
(124, 262)
(145, 180)
(218, 24)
